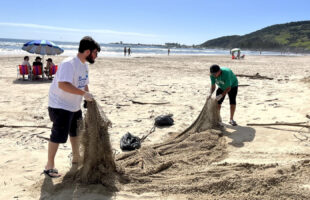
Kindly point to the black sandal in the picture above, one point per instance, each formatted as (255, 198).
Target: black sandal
(53, 173)
(233, 122)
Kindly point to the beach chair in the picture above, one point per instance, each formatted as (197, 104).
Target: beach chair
(53, 70)
(22, 70)
(37, 71)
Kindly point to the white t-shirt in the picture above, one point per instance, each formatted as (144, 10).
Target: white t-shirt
(71, 70)
(26, 63)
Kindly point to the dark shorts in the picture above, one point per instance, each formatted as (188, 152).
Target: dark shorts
(232, 94)
(64, 123)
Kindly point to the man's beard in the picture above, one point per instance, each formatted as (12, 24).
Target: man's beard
(90, 59)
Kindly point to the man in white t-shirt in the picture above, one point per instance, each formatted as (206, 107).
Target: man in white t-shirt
(68, 88)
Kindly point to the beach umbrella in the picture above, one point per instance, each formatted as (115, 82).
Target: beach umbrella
(235, 49)
(42, 47)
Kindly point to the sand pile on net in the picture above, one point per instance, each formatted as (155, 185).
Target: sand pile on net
(185, 164)
(174, 165)
(168, 167)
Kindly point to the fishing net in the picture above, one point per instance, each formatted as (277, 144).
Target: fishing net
(155, 167)
(98, 165)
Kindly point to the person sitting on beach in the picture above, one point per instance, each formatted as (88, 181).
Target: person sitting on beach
(37, 62)
(49, 64)
(68, 88)
(227, 82)
(26, 63)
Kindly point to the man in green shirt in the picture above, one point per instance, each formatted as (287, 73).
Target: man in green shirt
(227, 82)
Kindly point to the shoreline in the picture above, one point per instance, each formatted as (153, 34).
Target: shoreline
(152, 56)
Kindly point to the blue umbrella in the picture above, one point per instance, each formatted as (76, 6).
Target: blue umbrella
(42, 47)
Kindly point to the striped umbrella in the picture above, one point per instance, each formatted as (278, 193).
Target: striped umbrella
(235, 49)
(42, 47)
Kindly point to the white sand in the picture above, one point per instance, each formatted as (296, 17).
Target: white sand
(183, 81)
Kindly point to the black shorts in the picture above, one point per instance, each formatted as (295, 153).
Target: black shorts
(232, 94)
(64, 123)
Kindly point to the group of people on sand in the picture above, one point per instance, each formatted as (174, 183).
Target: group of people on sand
(239, 56)
(70, 86)
(37, 62)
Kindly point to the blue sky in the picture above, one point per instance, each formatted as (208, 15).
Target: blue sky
(144, 21)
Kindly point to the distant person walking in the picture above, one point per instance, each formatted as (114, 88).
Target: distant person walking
(129, 51)
(125, 51)
(168, 52)
(227, 82)
(68, 88)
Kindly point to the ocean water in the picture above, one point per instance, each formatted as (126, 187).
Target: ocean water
(14, 47)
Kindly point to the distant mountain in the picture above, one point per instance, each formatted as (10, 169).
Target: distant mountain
(294, 36)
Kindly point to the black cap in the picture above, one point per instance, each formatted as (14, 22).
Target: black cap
(214, 69)
(49, 60)
(38, 57)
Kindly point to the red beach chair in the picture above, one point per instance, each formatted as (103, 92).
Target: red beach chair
(23, 70)
(53, 70)
(37, 71)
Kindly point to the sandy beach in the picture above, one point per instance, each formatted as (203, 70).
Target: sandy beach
(259, 162)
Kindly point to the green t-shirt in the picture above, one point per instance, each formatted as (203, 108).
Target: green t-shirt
(226, 79)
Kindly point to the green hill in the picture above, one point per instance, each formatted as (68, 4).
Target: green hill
(294, 36)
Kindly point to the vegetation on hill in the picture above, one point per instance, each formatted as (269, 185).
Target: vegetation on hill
(294, 36)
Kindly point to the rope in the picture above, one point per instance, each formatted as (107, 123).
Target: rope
(145, 136)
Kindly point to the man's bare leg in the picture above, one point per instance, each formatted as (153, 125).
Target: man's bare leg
(52, 150)
(50, 165)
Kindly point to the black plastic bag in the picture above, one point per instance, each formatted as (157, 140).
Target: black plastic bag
(164, 120)
(129, 142)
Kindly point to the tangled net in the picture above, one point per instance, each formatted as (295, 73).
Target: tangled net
(98, 163)
(200, 144)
